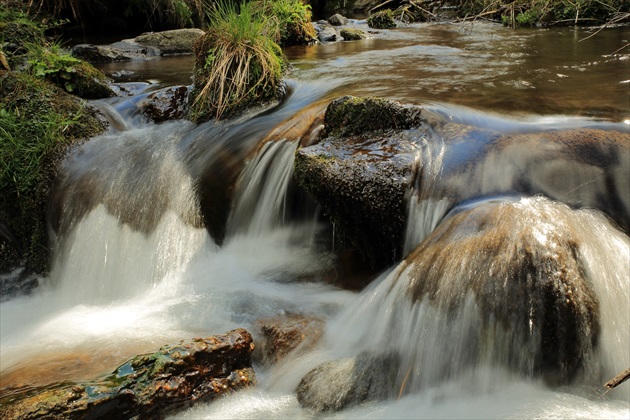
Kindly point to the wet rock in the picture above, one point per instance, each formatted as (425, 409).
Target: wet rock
(119, 51)
(282, 335)
(522, 264)
(361, 181)
(383, 19)
(349, 116)
(584, 168)
(326, 32)
(165, 104)
(338, 20)
(344, 383)
(177, 41)
(351, 34)
(146, 386)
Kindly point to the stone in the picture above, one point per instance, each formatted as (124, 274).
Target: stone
(351, 34)
(176, 41)
(326, 32)
(521, 263)
(338, 20)
(146, 386)
(165, 104)
(360, 172)
(383, 19)
(344, 383)
(350, 115)
(282, 335)
(119, 51)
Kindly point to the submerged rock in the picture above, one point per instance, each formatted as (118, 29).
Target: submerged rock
(282, 335)
(522, 264)
(146, 386)
(339, 384)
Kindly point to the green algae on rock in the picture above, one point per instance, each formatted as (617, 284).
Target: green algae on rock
(150, 385)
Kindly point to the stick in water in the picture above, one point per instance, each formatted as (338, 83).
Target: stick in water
(619, 379)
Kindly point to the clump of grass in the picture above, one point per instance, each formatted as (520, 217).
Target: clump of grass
(37, 123)
(238, 63)
(293, 18)
(383, 19)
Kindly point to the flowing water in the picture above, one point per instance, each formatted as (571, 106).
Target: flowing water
(140, 261)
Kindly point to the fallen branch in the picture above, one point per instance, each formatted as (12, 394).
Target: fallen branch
(618, 380)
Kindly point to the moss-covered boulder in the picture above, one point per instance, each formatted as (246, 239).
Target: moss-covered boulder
(38, 122)
(351, 115)
(146, 386)
(383, 19)
(352, 34)
(361, 170)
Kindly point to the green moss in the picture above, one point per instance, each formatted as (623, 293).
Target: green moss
(349, 115)
(51, 62)
(350, 34)
(383, 19)
(37, 123)
(293, 18)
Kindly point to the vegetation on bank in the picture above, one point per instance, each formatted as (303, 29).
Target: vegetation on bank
(547, 12)
(38, 121)
(513, 13)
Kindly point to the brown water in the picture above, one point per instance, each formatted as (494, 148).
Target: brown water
(482, 66)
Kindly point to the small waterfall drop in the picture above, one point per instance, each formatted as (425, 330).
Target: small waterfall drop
(130, 215)
(260, 202)
(449, 331)
(425, 210)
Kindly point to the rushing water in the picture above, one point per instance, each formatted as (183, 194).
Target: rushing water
(135, 268)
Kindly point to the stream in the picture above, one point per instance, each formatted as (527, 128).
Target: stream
(135, 266)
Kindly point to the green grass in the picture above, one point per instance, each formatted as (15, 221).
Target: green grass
(238, 62)
(293, 18)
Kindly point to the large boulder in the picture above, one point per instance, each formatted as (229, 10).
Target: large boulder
(360, 172)
(514, 275)
(146, 386)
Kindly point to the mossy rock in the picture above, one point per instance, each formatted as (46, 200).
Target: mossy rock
(350, 34)
(145, 386)
(350, 115)
(383, 19)
(39, 123)
(83, 80)
(207, 102)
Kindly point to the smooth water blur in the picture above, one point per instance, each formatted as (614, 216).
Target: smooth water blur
(135, 269)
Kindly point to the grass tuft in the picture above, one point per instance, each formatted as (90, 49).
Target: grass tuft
(238, 62)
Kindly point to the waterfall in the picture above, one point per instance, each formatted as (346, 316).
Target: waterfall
(260, 202)
(128, 203)
(438, 341)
